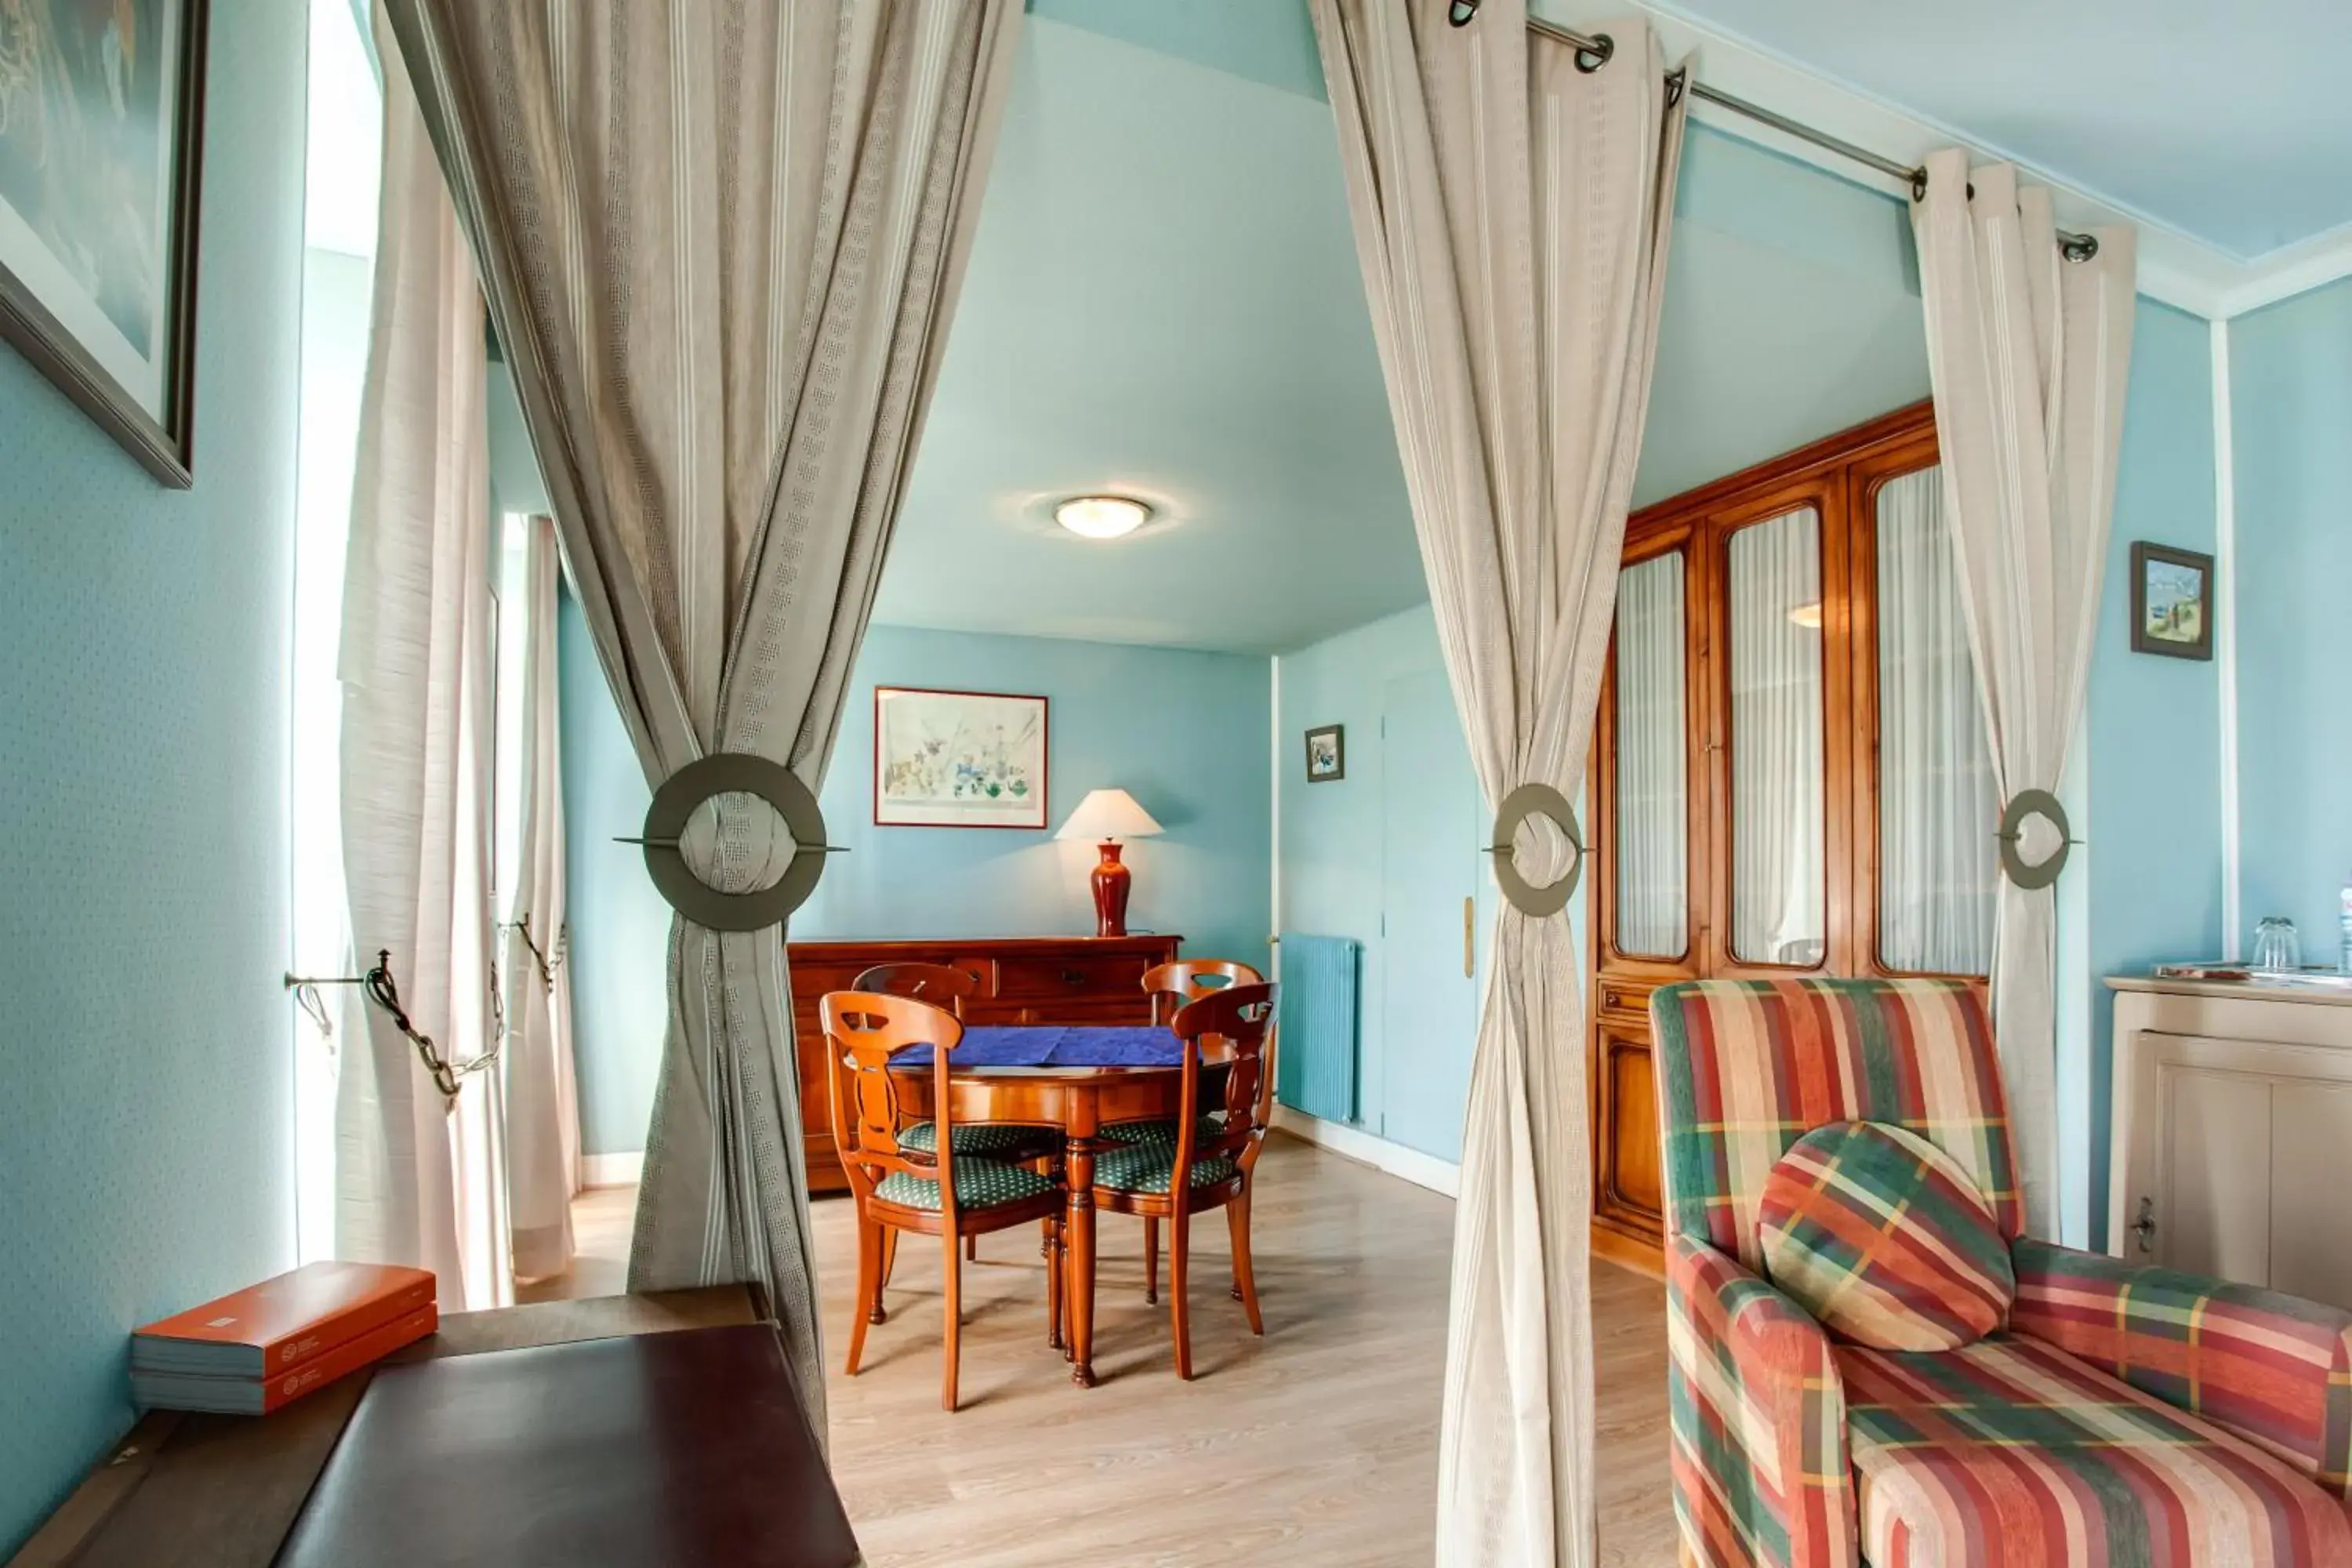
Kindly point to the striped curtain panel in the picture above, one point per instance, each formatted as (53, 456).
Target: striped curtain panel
(1511, 212)
(2028, 351)
(1653, 804)
(1777, 876)
(721, 240)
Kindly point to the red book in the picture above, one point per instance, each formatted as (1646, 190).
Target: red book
(259, 1396)
(282, 1323)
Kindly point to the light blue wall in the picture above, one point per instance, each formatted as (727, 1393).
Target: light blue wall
(1185, 733)
(2291, 407)
(2151, 740)
(1332, 874)
(145, 1091)
(1267, 41)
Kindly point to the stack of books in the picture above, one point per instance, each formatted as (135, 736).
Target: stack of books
(262, 1347)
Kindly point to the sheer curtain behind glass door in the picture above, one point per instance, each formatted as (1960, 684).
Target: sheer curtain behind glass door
(1652, 818)
(1777, 867)
(1937, 802)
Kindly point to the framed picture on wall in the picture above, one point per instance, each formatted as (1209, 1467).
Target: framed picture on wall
(1326, 753)
(958, 759)
(102, 112)
(2172, 601)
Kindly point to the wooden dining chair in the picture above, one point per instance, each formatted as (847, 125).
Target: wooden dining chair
(944, 986)
(1209, 1162)
(941, 1191)
(1172, 986)
(940, 985)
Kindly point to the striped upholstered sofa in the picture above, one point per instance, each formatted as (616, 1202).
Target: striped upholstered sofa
(2120, 1414)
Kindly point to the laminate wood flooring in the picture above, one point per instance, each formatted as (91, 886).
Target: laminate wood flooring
(1314, 1447)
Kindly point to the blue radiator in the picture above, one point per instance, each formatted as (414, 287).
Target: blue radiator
(1315, 1061)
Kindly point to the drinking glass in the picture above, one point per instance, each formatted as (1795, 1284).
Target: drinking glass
(2276, 945)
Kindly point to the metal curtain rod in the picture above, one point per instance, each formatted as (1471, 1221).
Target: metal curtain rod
(1595, 50)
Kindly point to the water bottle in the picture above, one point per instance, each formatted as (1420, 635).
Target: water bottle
(2344, 930)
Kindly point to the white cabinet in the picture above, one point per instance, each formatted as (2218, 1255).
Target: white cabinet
(2232, 1134)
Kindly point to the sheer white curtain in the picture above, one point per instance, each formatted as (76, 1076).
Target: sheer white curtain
(2028, 351)
(543, 1096)
(1512, 215)
(1653, 774)
(420, 1179)
(1937, 868)
(1777, 867)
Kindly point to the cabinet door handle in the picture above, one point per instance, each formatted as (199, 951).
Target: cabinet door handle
(1469, 938)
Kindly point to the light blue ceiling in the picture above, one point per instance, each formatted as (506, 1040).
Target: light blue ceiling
(2229, 123)
(1163, 301)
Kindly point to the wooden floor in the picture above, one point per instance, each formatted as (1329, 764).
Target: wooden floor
(1315, 1445)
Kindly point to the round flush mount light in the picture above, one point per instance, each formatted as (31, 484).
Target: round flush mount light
(1102, 517)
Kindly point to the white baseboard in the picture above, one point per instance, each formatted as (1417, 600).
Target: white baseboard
(611, 1170)
(1406, 1164)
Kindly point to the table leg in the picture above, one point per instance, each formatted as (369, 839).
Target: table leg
(1079, 1245)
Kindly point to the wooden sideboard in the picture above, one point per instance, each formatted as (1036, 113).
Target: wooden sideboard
(1024, 979)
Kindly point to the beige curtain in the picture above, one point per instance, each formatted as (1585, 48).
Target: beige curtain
(418, 1179)
(1512, 210)
(2028, 353)
(721, 240)
(543, 1093)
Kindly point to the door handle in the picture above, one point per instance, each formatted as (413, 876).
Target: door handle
(1469, 938)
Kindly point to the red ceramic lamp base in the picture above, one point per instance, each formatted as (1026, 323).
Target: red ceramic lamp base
(1111, 882)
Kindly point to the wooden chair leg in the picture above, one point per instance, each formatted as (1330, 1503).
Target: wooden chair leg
(971, 1247)
(868, 1304)
(1237, 1218)
(1151, 1259)
(953, 1282)
(1179, 1245)
(890, 1262)
(1052, 1253)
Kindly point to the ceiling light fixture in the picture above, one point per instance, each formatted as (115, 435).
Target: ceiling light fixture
(1102, 517)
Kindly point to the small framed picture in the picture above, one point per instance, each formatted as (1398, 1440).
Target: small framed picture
(1326, 753)
(2172, 601)
(958, 759)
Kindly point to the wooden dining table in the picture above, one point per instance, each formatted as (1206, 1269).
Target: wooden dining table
(1078, 1079)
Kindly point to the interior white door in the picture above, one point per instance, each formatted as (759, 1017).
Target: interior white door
(1429, 871)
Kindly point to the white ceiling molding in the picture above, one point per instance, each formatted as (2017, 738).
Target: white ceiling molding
(2179, 271)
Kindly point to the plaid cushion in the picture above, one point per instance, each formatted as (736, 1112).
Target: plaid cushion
(997, 1140)
(1883, 1239)
(1150, 1167)
(2275, 1370)
(1758, 1420)
(980, 1184)
(1747, 1066)
(2010, 1453)
(1163, 1131)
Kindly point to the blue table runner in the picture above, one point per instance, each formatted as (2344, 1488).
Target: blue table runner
(1060, 1046)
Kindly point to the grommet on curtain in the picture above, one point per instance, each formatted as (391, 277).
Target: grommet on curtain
(733, 772)
(2023, 806)
(1536, 800)
(2078, 247)
(1462, 12)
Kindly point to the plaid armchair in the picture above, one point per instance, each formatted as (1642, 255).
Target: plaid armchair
(2124, 1415)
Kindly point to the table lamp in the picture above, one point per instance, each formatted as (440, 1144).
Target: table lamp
(1108, 815)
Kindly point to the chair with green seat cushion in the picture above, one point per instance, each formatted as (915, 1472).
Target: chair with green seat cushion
(1161, 1131)
(900, 1178)
(979, 1184)
(1152, 1168)
(990, 1139)
(1204, 1161)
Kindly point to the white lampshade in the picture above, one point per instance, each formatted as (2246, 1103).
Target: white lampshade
(1108, 814)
